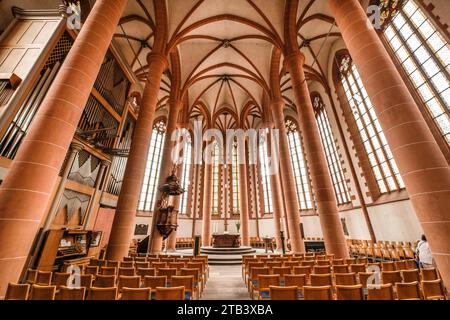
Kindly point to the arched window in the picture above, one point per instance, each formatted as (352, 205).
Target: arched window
(235, 180)
(334, 164)
(265, 175)
(215, 176)
(376, 146)
(299, 165)
(150, 184)
(425, 56)
(186, 175)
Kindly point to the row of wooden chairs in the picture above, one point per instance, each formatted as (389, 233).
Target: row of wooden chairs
(37, 292)
(184, 243)
(432, 290)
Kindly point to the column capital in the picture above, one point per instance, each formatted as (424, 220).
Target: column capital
(159, 58)
(76, 146)
(294, 58)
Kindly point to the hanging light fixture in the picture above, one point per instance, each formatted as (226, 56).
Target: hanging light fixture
(167, 218)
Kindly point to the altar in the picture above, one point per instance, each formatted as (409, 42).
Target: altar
(226, 241)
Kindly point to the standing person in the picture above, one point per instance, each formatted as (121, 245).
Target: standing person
(424, 253)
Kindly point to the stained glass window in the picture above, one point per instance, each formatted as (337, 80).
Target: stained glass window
(425, 56)
(334, 164)
(150, 184)
(299, 165)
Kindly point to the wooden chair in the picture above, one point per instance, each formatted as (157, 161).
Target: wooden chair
(153, 282)
(298, 280)
(201, 272)
(168, 272)
(102, 293)
(411, 275)
(108, 271)
(323, 262)
(307, 263)
(31, 276)
(265, 281)
(337, 262)
(111, 263)
(429, 274)
(408, 291)
(93, 270)
(317, 293)
(43, 278)
(320, 280)
(282, 271)
(410, 264)
(60, 279)
(363, 261)
(391, 277)
(351, 292)
(142, 272)
(188, 283)
(195, 274)
(303, 270)
(274, 264)
(345, 279)
(251, 265)
(128, 259)
(102, 281)
(127, 264)
(283, 293)
(400, 265)
(321, 270)
(357, 268)
(66, 293)
(350, 261)
(380, 292)
(39, 292)
(86, 281)
(341, 269)
(16, 291)
(433, 290)
(388, 266)
(177, 265)
(126, 272)
(145, 265)
(291, 264)
(129, 282)
(135, 294)
(174, 293)
(253, 284)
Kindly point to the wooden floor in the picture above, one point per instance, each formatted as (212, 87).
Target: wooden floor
(225, 283)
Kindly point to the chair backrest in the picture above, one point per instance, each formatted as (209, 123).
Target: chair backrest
(291, 264)
(410, 264)
(391, 277)
(128, 259)
(39, 292)
(146, 272)
(429, 274)
(173, 293)
(317, 293)
(102, 293)
(365, 277)
(400, 265)
(349, 292)
(283, 293)
(337, 262)
(86, 280)
(341, 269)
(112, 263)
(127, 271)
(31, 276)
(363, 261)
(108, 271)
(16, 291)
(267, 280)
(308, 263)
(135, 294)
(91, 270)
(103, 281)
(350, 261)
(60, 279)
(66, 293)
(357, 268)
(138, 265)
(129, 282)
(302, 270)
(322, 269)
(345, 279)
(281, 271)
(408, 291)
(411, 275)
(183, 281)
(254, 272)
(323, 262)
(433, 289)
(388, 266)
(169, 272)
(44, 278)
(298, 280)
(155, 281)
(321, 280)
(273, 264)
(380, 292)
(177, 265)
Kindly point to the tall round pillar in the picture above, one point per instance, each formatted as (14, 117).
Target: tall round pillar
(421, 163)
(324, 195)
(207, 198)
(27, 187)
(124, 219)
(243, 203)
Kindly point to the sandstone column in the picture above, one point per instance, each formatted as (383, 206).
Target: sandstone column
(207, 192)
(243, 203)
(287, 178)
(324, 195)
(123, 224)
(26, 190)
(155, 243)
(421, 163)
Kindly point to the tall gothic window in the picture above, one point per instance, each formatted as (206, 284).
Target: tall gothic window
(379, 153)
(265, 175)
(149, 187)
(334, 164)
(215, 176)
(235, 180)
(299, 165)
(425, 56)
(186, 176)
